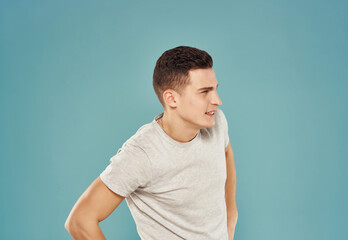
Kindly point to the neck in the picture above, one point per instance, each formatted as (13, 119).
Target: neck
(177, 129)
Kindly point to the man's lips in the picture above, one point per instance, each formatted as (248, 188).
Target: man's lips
(211, 111)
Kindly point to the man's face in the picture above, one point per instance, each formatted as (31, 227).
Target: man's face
(198, 98)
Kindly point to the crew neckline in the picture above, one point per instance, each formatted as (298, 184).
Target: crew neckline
(171, 140)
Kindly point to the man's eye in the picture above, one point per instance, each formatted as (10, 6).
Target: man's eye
(205, 91)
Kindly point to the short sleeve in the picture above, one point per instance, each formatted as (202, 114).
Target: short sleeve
(224, 124)
(128, 170)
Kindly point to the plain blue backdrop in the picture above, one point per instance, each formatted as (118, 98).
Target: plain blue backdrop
(76, 82)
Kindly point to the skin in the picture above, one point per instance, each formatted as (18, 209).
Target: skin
(185, 116)
(94, 205)
(230, 192)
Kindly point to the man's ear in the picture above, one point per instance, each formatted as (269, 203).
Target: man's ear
(170, 97)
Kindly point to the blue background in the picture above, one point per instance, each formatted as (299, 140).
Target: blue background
(76, 82)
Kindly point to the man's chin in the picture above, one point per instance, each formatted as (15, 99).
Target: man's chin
(209, 125)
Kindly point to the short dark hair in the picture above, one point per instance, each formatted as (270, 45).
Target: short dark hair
(172, 69)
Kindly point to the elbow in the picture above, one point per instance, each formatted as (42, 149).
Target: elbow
(72, 225)
(68, 225)
(79, 228)
(75, 229)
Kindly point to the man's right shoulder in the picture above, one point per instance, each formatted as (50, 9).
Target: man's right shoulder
(144, 136)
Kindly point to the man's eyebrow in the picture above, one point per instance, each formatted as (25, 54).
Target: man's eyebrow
(208, 88)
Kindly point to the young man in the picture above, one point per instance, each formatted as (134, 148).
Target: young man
(177, 173)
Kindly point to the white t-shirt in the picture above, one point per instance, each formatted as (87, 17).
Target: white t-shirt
(174, 190)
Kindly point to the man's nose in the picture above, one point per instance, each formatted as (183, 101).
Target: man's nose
(216, 100)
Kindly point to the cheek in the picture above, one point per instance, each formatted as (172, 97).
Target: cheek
(193, 104)
(190, 101)
(197, 100)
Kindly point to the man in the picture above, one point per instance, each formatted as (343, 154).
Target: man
(177, 173)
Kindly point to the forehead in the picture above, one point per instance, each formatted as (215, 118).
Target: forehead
(200, 78)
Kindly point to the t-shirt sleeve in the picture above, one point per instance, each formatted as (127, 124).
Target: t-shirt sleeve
(224, 125)
(128, 170)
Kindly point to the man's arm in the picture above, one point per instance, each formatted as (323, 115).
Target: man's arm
(230, 192)
(94, 205)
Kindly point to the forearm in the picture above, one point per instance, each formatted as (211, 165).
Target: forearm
(231, 204)
(232, 212)
(85, 231)
(230, 191)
